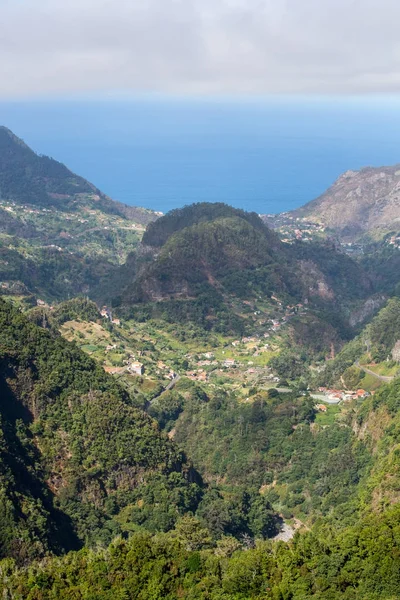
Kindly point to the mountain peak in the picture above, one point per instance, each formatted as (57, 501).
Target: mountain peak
(29, 178)
(358, 202)
(7, 136)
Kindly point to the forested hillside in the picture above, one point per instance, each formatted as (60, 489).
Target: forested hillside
(26, 177)
(202, 263)
(59, 235)
(374, 349)
(80, 463)
(359, 563)
(75, 452)
(157, 233)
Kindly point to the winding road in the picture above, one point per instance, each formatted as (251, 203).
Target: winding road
(385, 378)
(171, 384)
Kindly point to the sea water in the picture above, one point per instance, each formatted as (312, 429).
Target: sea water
(266, 155)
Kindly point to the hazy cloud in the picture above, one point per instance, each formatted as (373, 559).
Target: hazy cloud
(199, 46)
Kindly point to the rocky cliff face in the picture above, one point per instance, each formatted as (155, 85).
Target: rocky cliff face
(359, 202)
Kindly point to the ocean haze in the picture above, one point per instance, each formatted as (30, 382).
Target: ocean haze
(263, 155)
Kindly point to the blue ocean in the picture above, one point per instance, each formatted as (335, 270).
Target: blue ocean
(267, 155)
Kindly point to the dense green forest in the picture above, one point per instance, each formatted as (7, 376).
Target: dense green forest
(158, 232)
(85, 450)
(274, 444)
(358, 563)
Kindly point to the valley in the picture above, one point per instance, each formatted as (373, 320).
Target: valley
(193, 405)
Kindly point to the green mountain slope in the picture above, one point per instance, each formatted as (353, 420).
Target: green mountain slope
(350, 551)
(59, 235)
(26, 177)
(201, 252)
(74, 449)
(374, 350)
(79, 462)
(360, 563)
(157, 233)
(203, 263)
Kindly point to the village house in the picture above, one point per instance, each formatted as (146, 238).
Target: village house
(229, 362)
(136, 368)
(106, 312)
(249, 340)
(335, 395)
(199, 375)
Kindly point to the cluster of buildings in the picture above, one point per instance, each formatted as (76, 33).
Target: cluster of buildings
(334, 396)
(295, 228)
(199, 375)
(229, 362)
(169, 374)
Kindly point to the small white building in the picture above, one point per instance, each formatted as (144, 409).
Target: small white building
(136, 368)
(229, 362)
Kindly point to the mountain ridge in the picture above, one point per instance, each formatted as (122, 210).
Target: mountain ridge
(358, 203)
(28, 177)
(59, 234)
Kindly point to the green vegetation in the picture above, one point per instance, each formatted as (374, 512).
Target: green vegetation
(86, 451)
(218, 334)
(157, 233)
(373, 345)
(80, 462)
(304, 468)
(37, 180)
(205, 263)
(59, 235)
(359, 563)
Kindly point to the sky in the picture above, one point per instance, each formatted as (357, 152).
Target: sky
(198, 47)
